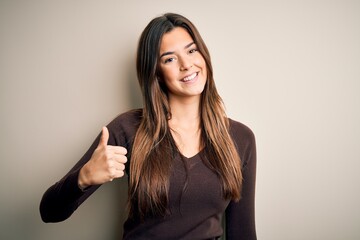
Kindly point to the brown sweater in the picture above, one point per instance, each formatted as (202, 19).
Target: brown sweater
(195, 212)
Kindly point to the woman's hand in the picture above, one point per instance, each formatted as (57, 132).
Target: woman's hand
(106, 163)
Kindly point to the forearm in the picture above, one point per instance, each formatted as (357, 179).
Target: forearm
(63, 198)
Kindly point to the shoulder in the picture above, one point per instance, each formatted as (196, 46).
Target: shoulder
(131, 117)
(240, 131)
(123, 127)
(243, 137)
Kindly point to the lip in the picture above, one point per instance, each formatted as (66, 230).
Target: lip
(193, 77)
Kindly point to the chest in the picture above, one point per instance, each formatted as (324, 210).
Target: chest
(194, 188)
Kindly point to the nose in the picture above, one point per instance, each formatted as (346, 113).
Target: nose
(185, 63)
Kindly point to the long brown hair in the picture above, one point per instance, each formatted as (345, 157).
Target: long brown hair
(154, 148)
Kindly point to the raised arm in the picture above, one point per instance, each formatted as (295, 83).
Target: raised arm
(100, 164)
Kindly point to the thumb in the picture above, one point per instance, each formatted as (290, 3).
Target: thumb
(104, 137)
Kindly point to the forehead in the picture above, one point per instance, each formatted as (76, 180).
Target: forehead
(174, 40)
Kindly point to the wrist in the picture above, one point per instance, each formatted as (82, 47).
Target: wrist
(82, 180)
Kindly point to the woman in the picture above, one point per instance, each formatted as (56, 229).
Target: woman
(188, 163)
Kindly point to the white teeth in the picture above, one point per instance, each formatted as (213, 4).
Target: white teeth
(191, 77)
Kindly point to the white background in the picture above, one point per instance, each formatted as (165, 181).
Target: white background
(290, 70)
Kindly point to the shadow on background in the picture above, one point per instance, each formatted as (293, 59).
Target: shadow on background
(120, 190)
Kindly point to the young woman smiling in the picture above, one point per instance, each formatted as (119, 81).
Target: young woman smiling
(188, 163)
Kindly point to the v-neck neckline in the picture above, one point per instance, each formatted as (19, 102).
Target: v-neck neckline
(193, 156)
(182, 155)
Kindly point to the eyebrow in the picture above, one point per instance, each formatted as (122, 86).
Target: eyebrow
(169, 53)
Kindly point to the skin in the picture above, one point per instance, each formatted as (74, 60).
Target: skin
(179, 62)
(183, 71)
(106, 163)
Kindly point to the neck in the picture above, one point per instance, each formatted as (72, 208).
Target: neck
(185, 125)
(185, 112)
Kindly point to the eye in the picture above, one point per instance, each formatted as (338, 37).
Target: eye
(168, 60)
(193, 50)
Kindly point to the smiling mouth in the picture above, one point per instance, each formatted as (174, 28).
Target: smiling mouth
(190, 77)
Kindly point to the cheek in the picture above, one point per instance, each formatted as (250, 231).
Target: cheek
(168, 74)
(200, 61)
(202, 65)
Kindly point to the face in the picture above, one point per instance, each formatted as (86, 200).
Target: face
(183, 68)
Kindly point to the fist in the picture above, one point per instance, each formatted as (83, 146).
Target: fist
(106, 163)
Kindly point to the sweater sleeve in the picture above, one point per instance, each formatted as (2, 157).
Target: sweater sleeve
(64, 197)
(240, 216)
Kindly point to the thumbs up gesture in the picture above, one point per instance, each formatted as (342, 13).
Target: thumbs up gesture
(106, 163)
